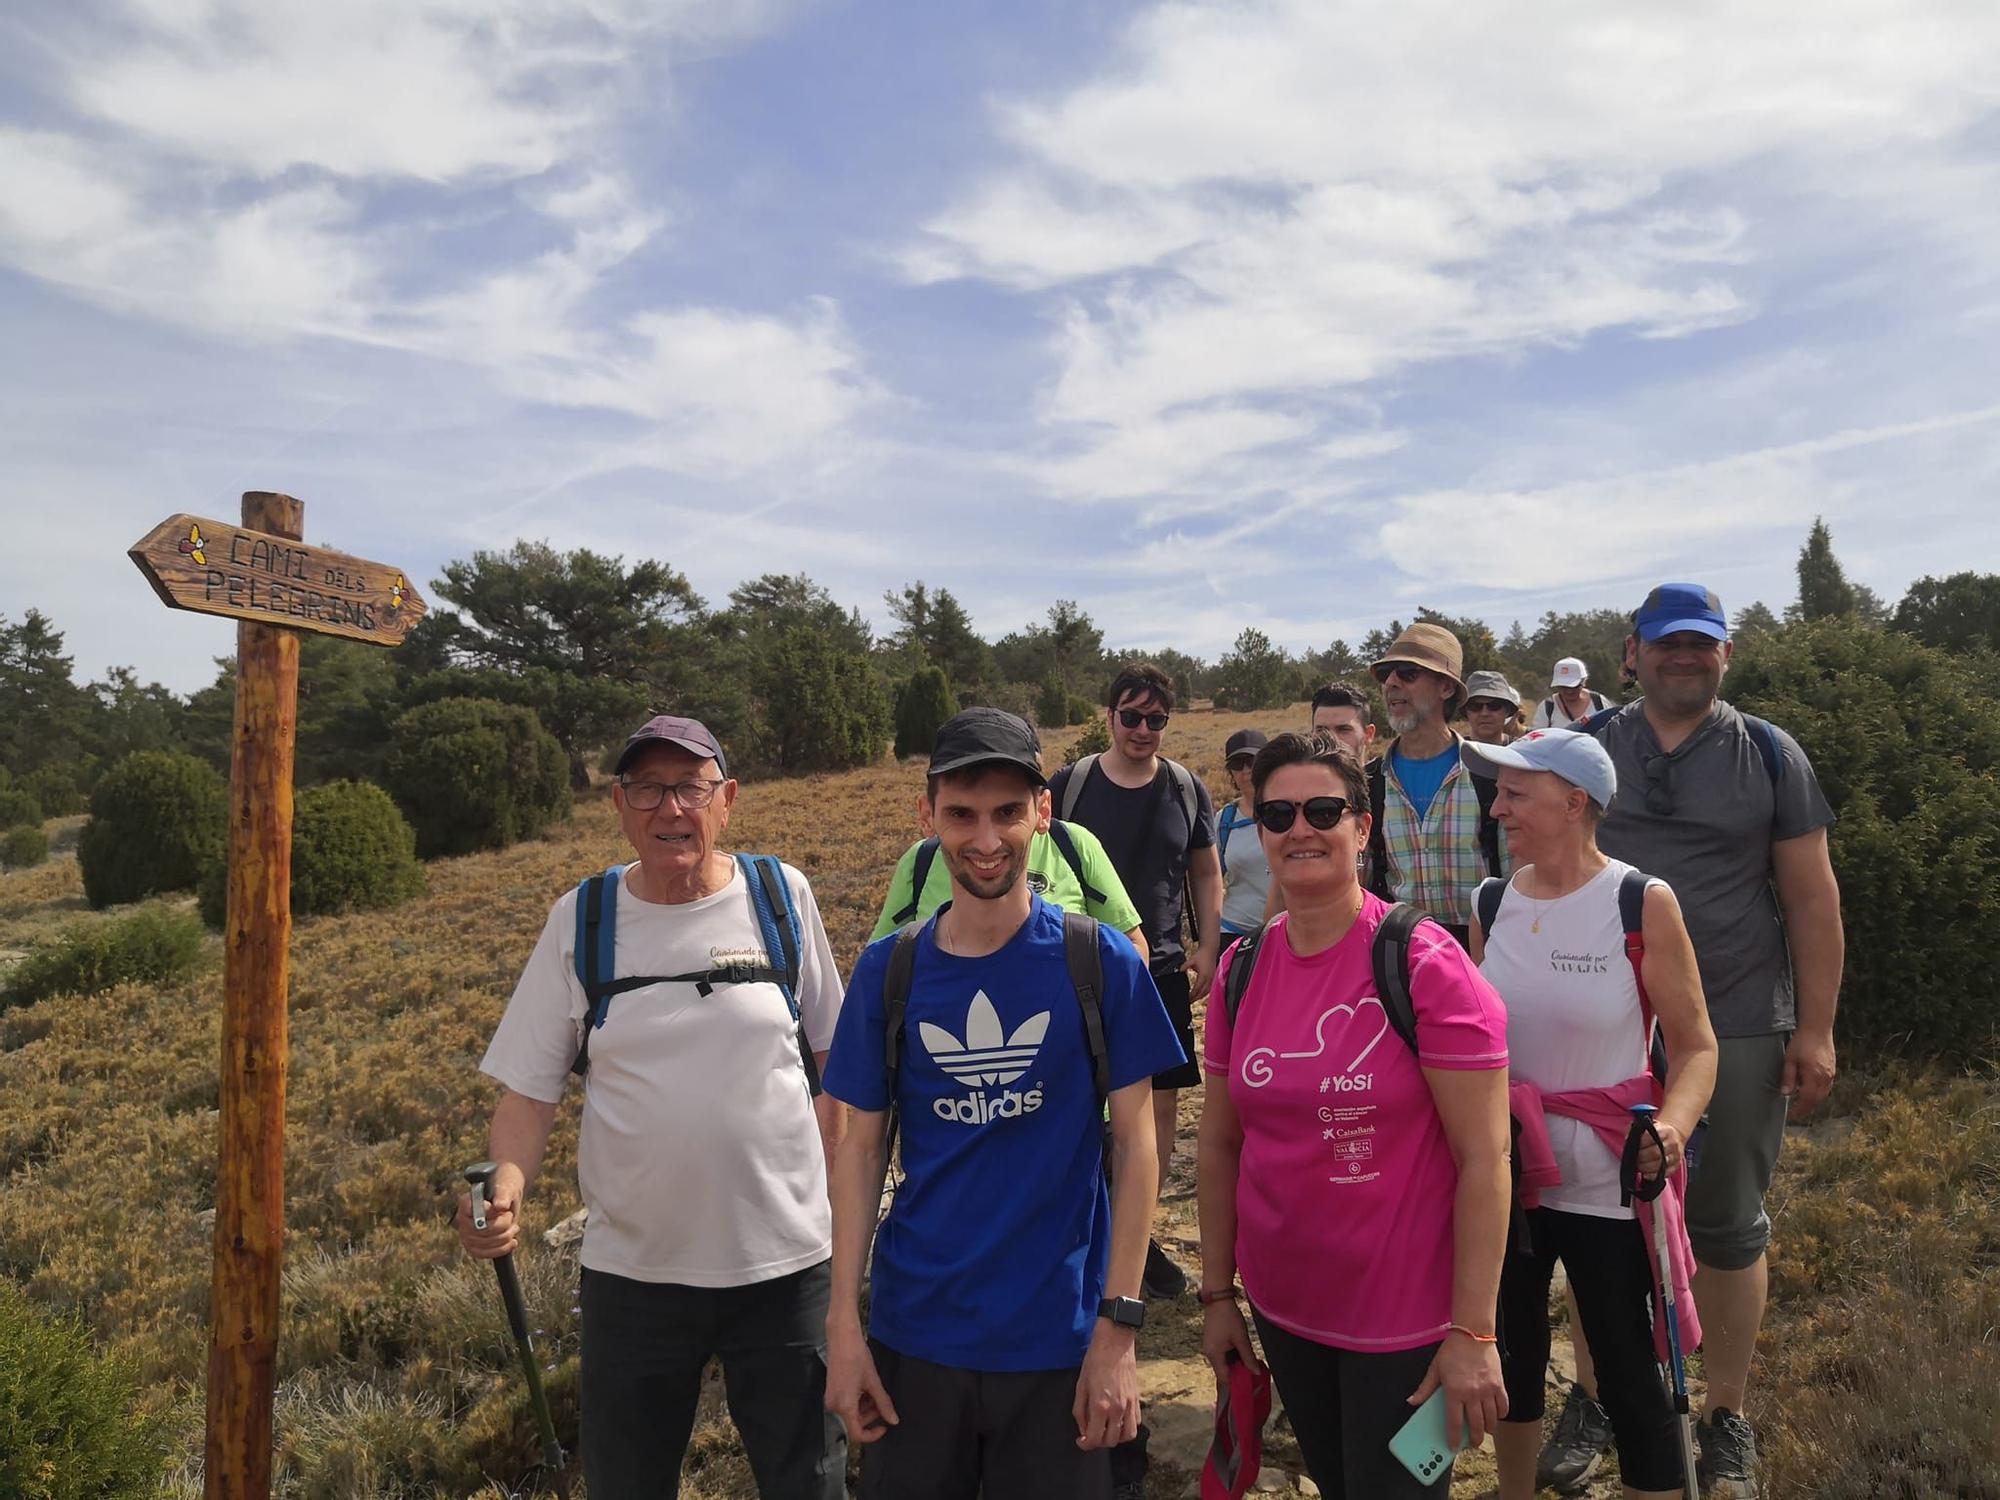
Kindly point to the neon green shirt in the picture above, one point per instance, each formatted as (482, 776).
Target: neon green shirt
(1049, 876)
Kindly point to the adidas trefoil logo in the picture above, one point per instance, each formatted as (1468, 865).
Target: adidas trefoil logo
(988, 1056)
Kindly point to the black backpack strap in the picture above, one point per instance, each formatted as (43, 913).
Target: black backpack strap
(1486, 902)
(1390, 957)
(1632, 918)
(1086, 973)
(895, 1000)
(1065, 842)
(1486, 788)
(1378, 841)
(920, 874)
(1242, 967)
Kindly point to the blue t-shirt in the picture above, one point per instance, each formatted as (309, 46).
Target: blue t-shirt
(1422, 778)
(993, 1255)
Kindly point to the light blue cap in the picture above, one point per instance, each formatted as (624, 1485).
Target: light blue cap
(1577, 758)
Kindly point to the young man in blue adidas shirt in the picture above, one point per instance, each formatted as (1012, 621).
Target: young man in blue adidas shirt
(999, 1358)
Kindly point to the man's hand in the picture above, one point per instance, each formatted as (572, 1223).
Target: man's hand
(1201, 972)
(503, 1216)
(854, 1389)
(1107, 1390)
(1809, 1070)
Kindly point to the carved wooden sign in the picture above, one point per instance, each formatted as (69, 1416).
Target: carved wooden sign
(220, 569)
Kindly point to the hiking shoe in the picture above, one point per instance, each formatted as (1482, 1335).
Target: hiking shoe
(1162, 1279)
(1727, 1460)
(1576, 1449)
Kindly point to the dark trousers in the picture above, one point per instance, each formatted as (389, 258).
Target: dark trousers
(1608, 1269)
(645, 1345)
(1344, 1408)
(979, 1435)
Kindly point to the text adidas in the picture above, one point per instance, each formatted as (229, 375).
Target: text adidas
(983, 1109)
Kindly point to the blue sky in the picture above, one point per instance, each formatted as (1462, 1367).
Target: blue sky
(1295, 315)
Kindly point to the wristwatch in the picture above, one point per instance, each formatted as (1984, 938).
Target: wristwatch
(1126, 1312)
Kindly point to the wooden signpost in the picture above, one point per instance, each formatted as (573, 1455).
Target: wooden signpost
(264, 575)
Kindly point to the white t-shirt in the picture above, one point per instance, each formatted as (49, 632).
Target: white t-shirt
(1552, 715)
(700, 1157)
(1573, 1019)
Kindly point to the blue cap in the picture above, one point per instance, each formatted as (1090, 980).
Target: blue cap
(1577, 758)
(1681, 606)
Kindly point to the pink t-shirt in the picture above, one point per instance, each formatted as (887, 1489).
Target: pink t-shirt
(1345, 1186)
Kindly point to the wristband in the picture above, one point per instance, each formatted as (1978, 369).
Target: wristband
(1209, 1295)
(1477, 1338)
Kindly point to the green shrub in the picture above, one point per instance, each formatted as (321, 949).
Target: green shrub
(821, 705)
(473, 773)
(1906, 742)
(67, 1428)
(150, 944)
(57, 788)
(1052, 702)
(922, 707)
(1081, 709)
(351, 851)
(23, 846)
(19, 808)
(157, 821)
(1095, 740)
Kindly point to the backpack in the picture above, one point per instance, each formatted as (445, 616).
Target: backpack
(1388, 955)
(1598, 704)
(927, 855)
(1631, 917)
(1184, 792)
(777, 924)
(1226, 823)
(1762, 734)
(1086, 975)
(1485, 788)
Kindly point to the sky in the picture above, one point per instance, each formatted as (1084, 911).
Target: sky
(1295, 314)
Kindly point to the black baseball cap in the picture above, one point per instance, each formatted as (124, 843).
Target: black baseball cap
(987, 736)
(1243, 742)
(690, 735)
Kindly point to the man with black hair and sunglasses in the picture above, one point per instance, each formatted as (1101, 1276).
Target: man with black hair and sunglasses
(1726, 809)
(1158, 822)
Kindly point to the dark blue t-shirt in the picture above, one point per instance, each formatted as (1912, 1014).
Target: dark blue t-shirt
(994, 1252)
(1422, 778)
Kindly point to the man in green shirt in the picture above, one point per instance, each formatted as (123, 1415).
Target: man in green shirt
(1086, 883)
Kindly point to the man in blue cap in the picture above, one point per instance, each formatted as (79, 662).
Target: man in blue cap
(1725, 808)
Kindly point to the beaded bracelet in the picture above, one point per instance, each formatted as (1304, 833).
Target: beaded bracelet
(1477, 1338)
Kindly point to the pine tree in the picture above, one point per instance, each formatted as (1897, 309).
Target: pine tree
(1823, 587)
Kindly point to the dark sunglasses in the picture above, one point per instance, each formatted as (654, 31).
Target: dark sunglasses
(1131, 718)
(1402, 671)
(1660, 786)
(1489, 706)
(1278, 815)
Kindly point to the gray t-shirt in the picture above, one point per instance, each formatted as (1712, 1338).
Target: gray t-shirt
(1714, 849)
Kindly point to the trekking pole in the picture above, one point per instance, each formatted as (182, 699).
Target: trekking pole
(554, 1462)
(1652, 1190)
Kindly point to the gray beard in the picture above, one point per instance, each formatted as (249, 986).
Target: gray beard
(1409, 719)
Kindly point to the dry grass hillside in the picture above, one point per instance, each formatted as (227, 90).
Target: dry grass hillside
(1880, 1370)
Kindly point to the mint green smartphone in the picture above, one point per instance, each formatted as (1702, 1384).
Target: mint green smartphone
(1420, 1446)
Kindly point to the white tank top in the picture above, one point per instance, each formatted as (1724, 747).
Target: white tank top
(1573, 1019)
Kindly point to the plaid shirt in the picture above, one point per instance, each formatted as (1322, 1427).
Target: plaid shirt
(1435, 863)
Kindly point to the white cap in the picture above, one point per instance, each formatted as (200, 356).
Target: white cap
(1570, 672)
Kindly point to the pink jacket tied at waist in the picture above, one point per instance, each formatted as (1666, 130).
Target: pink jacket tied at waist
(1609, 1113)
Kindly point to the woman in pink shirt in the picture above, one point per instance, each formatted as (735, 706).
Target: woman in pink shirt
(1357, 1185)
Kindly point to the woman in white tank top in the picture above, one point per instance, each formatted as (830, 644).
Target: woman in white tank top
(1577, 1028)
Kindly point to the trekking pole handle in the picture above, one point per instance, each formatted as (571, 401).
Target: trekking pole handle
(1630, 1184)
(479, 1177)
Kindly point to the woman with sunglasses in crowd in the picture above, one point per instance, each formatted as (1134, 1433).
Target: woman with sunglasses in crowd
(1246, 872)
(1580, 1017)
(1358, 1185)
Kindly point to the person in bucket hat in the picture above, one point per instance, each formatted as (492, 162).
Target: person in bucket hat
(1433, 837)
(1492, 708)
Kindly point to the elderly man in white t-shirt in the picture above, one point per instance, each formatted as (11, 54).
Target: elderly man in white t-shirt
(703, 1151)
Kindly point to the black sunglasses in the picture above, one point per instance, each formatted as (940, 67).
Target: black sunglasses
(1402, 671)
(1278, 815)
(1131, 718)
(1488, 705)
(1660, 786)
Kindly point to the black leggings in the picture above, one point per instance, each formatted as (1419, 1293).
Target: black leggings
(1612, 1277)
(1344, 1409)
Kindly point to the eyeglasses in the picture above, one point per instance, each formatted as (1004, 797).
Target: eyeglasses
(1131, 718)
(692, 795)
(1278, 815)
(1488, 706)
(1402, 671)
(1660, 785)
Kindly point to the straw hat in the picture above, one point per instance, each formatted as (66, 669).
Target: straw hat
(1435, 649)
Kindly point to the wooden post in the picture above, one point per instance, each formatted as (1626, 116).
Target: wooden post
(250, 1172)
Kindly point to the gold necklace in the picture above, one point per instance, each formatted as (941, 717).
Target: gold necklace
(1540, 907)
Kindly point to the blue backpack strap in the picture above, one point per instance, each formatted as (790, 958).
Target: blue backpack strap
(778, 924)
(1086, 976)
(920, 874)
(1765, 738)
(1073, 857)
(595, 953)
(1389, 956)
(1594, 725)
(1486, 902)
